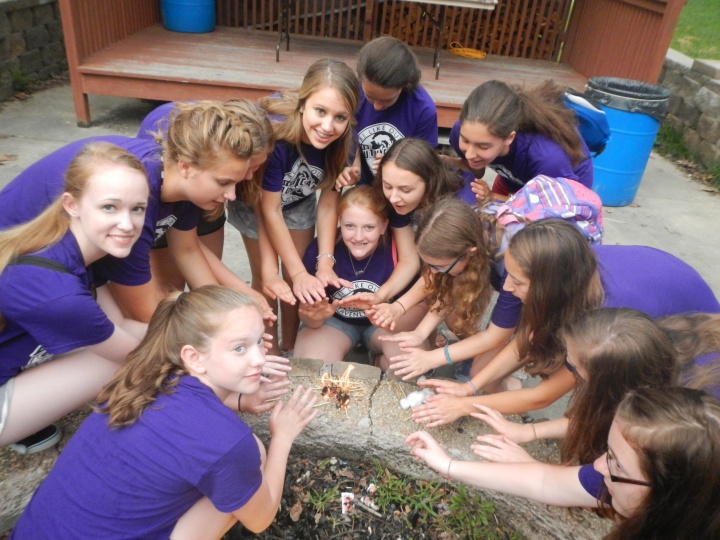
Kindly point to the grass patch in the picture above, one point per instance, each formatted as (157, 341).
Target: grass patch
(697, 33)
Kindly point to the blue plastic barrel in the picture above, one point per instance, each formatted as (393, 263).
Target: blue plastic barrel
(634, 111)
(190, 16)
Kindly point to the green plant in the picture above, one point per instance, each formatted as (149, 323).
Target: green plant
(697, 33)
(669, 142)
(450, 510)
(320, 499)
(21, 82)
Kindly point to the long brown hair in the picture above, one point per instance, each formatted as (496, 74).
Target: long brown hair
(418, 157)
(449, 229)
(620, 350)
(387, 62)
(676, 434)
(155, 366)
(53, 223)
(694, 336)
(564, 283)
(324, 73)
(502, 109)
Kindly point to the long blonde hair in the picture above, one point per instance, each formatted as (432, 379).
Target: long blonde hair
(156, 366)
(324, 73)
(51, 225)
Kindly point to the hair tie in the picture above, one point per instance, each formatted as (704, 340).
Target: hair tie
(180, 296)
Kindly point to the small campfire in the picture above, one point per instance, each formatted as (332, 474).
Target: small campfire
(340, 389)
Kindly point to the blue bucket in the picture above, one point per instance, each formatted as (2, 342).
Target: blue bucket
(619, 169)
(634, 110)
(190, 16)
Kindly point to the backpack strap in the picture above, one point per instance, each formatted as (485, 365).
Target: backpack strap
(42, 262)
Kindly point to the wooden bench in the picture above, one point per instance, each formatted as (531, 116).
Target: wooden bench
(119, 48)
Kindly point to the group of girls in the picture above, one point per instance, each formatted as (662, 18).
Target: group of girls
(98, 229)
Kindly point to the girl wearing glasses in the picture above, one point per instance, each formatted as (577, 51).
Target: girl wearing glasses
(558, 276)
(364, 258)
(662, 457)
(612, 351)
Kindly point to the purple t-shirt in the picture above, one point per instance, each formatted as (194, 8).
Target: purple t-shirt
(47, 311)
(592, 481)
(39, 185)
(367, 275)
(412, 115)
(636, 277)
(294, 177)
(156, 120)
(137, 481)
(530, 154)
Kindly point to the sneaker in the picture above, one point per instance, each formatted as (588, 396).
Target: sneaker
(37, 442)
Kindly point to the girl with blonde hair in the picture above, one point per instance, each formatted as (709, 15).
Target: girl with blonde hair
(312, 126)
(165, 454)
(59, 341)
(206, 152)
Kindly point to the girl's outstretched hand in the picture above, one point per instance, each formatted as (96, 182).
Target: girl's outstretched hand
(519, 433)
(480, 189)
(404, 339)
(364, 300)
(348, 177)
(452, 388)
(327, 276)
(267, 313)
(276, 366)
(438, 410)
(289, 419)
(424, 447)
(319, 312)
(276, 288)
(270, 389)
(307, 288)
(498, 448)
(384, 315)
(411, 364)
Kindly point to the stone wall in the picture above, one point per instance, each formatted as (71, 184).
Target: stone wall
(694, 103)
(31, 42)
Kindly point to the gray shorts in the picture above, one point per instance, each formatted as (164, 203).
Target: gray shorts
(358, 333)
(298, 218)
(6, 392)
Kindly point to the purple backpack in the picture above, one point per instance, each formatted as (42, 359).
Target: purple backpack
(550, 198)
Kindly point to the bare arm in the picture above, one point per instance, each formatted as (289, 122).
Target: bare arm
(138, 302)
(548, 484)
(188, 255)
(407, 266)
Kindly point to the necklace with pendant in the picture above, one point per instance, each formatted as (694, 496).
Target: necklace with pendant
(361, 272)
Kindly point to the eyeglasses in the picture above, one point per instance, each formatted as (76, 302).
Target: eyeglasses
(447, 270)
(621, 479)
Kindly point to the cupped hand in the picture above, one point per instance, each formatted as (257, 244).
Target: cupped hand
(519, 433)
(264, 398)
(384, 315)
(443, 386)
(411, 364)
(307, 288)
(438, 410)
(319, 311)
(376, 163)
(480, 189)
(327, 277)
(498, 448)
(277, 288)
(276, 366)
(348, 177)
(404, 339)
(364, 300)
(267, 313)
(289, 419)
(424, 447)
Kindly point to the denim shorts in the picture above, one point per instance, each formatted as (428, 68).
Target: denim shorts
(6, 392)
(298, 218)
(358, 333)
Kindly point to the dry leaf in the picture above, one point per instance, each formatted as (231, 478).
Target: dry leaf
(346, 474)
(295, 511)
(7, 157)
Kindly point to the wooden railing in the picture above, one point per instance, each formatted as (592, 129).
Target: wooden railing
(530, 29)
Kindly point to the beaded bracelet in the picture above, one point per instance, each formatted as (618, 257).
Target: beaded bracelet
(447, 355)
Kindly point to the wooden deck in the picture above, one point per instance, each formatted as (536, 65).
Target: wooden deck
(232, 62)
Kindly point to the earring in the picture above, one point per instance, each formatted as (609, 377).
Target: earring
(302, 110)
